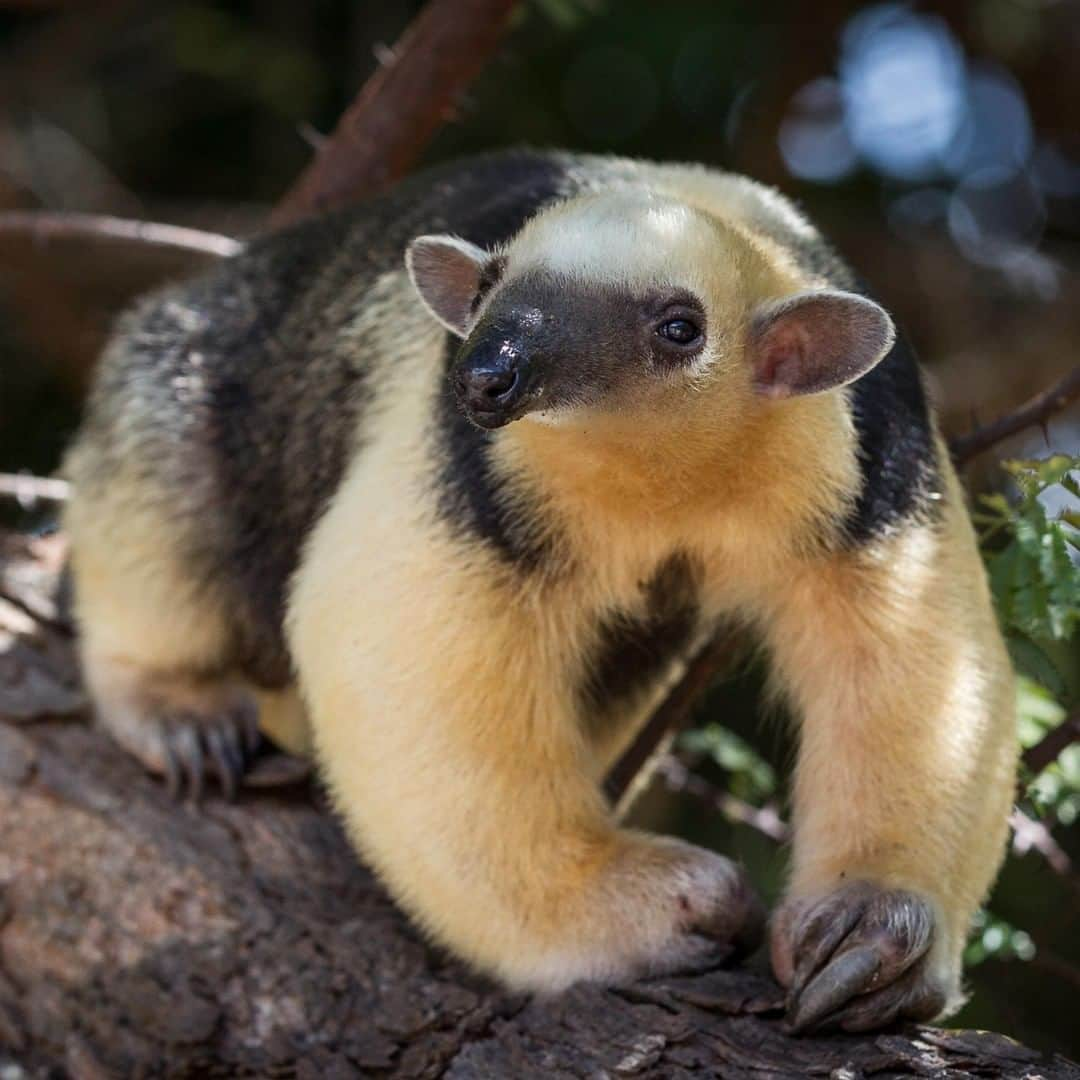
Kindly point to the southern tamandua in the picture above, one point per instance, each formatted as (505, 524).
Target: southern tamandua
(462, 473)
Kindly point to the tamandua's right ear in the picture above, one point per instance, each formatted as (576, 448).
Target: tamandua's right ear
(445, 271)
(815, 341)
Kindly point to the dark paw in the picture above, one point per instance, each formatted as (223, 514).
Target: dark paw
(194, 746)
(857, 959)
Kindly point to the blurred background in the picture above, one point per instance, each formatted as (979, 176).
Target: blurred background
(938, 144)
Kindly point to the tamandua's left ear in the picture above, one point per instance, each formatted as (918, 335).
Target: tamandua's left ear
(445, 271)
(815, 341)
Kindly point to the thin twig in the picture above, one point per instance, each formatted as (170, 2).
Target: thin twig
(406, 100)
(27, 489)
(1037, 410)
(1032, 835)
(673, 713)
(766, 819)
(45, 225)
(1028, 834)
(1048, 749)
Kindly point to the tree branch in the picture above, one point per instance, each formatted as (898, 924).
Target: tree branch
(679, 777)
(141, 937)
(1037, 410)
(44, 225)
(1032, 835)
(417, 86)
(27, 489)
(674, 713)
(1048, 749)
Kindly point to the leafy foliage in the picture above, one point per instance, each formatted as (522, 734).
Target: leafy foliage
(1034, 543)
(1035, 581)
(994, 937)
(751, 777)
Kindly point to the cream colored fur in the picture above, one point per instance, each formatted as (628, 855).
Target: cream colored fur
(439, 683)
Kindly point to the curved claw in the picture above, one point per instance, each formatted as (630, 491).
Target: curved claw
(224, 764)
(705, 955)
(186, 745)
(236, 748)
(249, 727)
(847, 975)
(857, 958)
(826, 929)
(173, 774)
(915, 996)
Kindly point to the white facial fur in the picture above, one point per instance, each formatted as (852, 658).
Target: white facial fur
(633, 239)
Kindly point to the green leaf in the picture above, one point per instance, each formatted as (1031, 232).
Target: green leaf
(1035, 667)
(998, 503)
(752, 777)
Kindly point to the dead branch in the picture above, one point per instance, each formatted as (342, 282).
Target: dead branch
(45, 225)
(408, 98)
(1037, 411)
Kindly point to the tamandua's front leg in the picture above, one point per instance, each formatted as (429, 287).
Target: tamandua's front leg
(905, 774)
(439, 709)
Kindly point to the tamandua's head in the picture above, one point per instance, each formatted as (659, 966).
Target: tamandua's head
(625, 301)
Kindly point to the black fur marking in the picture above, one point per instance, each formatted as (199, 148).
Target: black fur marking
(634, 649)
(578, 347)
(896, 446)
(892, 418)
(489, 278)
(238, 414)
(470, 495)
(238, 397)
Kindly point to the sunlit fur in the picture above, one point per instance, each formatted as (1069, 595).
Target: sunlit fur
(439, 678)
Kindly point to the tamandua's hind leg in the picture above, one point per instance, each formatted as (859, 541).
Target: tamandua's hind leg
(155, 647)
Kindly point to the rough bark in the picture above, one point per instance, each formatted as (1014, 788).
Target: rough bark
(139, 937)
(383, 132)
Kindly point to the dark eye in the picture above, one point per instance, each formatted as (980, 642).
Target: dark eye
(679, 331)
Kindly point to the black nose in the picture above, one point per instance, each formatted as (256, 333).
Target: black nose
(490, 383)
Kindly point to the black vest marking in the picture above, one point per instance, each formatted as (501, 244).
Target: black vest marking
(633, 650)
(249, 405)
(240, 398)
(249, 426)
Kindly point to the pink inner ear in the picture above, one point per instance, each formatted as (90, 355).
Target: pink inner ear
(816, 341)
(781, 356)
